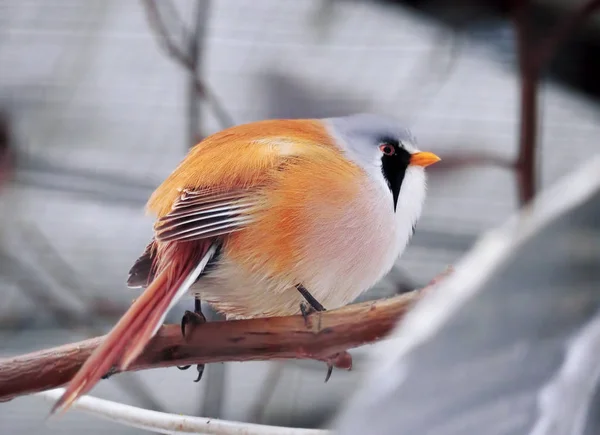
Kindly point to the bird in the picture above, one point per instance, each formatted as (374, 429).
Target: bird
(270, 218)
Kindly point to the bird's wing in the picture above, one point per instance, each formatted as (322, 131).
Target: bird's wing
(196, 215)
(201, 214)
(213, 191)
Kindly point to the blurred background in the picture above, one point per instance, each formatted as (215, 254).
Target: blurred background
(100, 100)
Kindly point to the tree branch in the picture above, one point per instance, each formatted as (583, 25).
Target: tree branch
(325, 334)
(525, 164)
(172, 424)
(170, 46)
(472, 159)
(533, 57)
(182, 57)
(196, 50)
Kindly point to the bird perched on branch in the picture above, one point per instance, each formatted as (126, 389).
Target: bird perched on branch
(271, 218)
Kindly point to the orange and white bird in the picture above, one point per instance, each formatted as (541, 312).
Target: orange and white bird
(264, 218)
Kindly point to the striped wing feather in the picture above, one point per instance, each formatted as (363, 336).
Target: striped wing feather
(198, 215)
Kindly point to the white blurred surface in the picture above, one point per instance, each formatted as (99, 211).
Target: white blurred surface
(97, 105)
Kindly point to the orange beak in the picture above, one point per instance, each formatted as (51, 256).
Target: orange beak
(423, 159)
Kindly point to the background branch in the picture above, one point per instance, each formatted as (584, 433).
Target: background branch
(323, 336)
(533, 57)
(196, 50)
(188, 54)
(172, 424)
(525, 165)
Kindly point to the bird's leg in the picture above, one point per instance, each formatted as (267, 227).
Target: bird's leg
(193, 318)
(314, 305)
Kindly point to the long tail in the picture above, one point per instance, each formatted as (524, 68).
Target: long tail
(142, 320)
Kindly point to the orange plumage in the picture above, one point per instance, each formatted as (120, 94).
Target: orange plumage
(258, 213)
(245, 158)
(239, 157)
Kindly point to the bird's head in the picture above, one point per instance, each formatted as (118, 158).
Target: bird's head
(386, 152)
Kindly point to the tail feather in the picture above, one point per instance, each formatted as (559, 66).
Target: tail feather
(142, 272)
(139, 324)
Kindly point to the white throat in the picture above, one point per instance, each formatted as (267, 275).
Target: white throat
(409, 205)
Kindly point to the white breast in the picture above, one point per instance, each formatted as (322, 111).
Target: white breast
(340, 260)
(367, 242)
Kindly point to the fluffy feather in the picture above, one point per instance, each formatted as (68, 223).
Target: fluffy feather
(211, 193)
(286, 202)
(239, 157)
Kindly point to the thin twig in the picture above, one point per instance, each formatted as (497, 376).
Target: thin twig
(196, 48)
(170, 46)
(462, 160)
(525, 165)
(180, 56)
(173, 19)
(7, 157)
(172, 423)
(325, 334)
(263, 397)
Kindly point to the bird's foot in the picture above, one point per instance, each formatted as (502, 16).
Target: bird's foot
(200, 368)
(329, 372)
(191, 319)
(342, 360)
(306, 311)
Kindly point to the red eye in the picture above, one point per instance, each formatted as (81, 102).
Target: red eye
(387, 149)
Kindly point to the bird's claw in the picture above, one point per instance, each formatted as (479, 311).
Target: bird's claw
(329, 371)
(193, 319)
(200, 368)
(342, 360)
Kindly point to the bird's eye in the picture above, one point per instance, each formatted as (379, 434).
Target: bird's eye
(387, 149)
